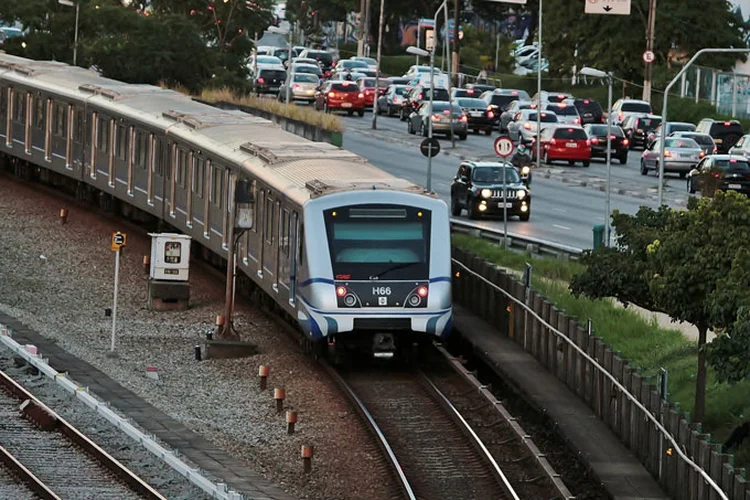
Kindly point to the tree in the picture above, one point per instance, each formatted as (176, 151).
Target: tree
(677, 262)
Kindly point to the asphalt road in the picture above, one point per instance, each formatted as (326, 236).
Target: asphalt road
(561, 212)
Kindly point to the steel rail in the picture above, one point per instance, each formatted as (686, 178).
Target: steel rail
(662, 430)
(135, 483)
(26, 476)
(382, 441)
(466, 428)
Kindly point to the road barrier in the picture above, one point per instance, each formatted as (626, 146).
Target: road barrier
(675, 451)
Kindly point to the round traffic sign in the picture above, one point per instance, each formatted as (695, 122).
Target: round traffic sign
(503, 146)
(430, 147)
(648, 56)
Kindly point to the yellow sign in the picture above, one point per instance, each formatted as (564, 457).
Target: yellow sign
(118, 240)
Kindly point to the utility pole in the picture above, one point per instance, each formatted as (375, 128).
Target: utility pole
(361, 41)
(456, 29)
(649, 47)
(366, 46)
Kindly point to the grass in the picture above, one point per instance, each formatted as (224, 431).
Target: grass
(302, 113)
(643, 343)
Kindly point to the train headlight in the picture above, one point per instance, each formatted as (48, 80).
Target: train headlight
(350, 300)
(486, 193)
(521, 194)
(340, 291)
(414, 300)
(422, 291)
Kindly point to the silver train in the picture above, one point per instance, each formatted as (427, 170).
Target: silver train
(359, 257)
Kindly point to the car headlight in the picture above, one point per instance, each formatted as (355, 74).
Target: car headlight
(486, 193)
(521, 194)
(525, 171)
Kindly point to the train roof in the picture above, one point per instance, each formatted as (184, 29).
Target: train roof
(300, 168)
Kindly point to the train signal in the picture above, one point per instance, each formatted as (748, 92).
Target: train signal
(118, 240)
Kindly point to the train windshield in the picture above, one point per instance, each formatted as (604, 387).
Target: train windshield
(383, 242)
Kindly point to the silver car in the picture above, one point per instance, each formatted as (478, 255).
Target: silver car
(303, 87)
(523, 127)
(680, 155)
(510, 112)
(442, 118)
(566, 112)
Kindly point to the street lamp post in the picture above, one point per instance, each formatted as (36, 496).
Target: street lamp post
(539, 92)
(662, 136)
(421, 52)
(377, 70)
(595, 73)
(69, 3)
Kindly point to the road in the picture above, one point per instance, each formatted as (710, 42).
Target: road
(563, 211)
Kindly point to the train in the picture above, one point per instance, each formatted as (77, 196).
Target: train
(359, 258)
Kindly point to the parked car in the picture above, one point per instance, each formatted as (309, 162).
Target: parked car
(269, 80)
(390, 102)
(325, 59)
(444, 116)
(419, 93)
(567, 143)
(510, 112)
(623, 108)
(490, 188)
(479, 116)
(566, 112)
(725, 133)
(705, 141)
(340, 95)
(597, 134)
(637, 128)
(589, 110)
(303, 87)
(671, 127)
(524, 125)
(681, 155)
(731, 173)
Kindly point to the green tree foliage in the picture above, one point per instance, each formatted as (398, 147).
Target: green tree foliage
(686, 264)
(617, 42)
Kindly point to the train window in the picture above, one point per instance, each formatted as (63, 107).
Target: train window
(284, 235)
(255, 210)
(78, 125)
(268, 230)
(102, 135)
(199, 176)
(20, 107)
(3, 101)
(216, 186)
(122, 142)
(301, 244)
(182, 161)
(60, 120)
(141, 149)
(158, 157)
(39, 112)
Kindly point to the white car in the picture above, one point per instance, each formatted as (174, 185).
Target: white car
(264, 62)
(420, 70)
(371, 63)
(523, 126)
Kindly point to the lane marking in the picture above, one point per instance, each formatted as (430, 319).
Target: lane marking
(560, 210)
(561, 227)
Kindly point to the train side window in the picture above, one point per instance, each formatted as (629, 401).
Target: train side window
(182, 161)
(60, 120)
(78, 125)
(102, 136)
(20, 107)
(256, 208)
(268, 230)
(284, 236)
(141, 149)
(3, 101)
(122, 142)
(159, 157)
(217, 187)
(39, 112)
(199, 174)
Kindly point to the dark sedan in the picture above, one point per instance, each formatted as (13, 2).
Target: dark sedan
(720, 172)
(479, 116)
(619, 144)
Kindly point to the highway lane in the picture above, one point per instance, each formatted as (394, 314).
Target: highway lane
(560, 213)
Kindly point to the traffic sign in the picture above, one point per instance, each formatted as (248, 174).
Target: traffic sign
(619, 7)
(648, 56)
(503, 146)
(118, 240)
(430, 147)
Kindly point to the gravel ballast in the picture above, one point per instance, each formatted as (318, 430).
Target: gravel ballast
(58, 280)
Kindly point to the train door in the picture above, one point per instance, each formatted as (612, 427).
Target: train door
(4, 111)
(59, 132)
(198, 206)
(38, 123)
(179, 182)
(119, 156)
(140, 154)
(215, 212)
(293, 254)
(269, 238)
(157, 186)
(18, 120)
(282, 259)
(260, 207)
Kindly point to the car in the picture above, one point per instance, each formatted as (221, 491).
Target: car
(399, 80)
(547, 97)
(367, 85)
(347, 75)
(264, 61)
(444, 117)
(499, 99)
(371, 63)
(566, 112)
(340, 95)
(325, 59)
(722, 172)
(618, 143)
(523, 127)
(479, 88)
(305, 60)
(589, 110)
(741, 147)
(282, 54)
(415, 96)
(7, 32)
(671, 127)
(637, 128)
(463, 92)
(417, 68)
(623, 108)
(269, 80)
(312, 69)
(303, 87)
(390, 102)
(479, 116)
(705, 141)
(566, 142)
(490, 188)
(725, 133)
(510, 112)
(681, 155)
(349, 65)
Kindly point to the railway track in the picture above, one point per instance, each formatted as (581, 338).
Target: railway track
(53, 459)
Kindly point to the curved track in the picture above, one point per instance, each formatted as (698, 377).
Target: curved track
(55, 460)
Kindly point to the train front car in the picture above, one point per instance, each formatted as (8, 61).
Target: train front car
(379, 272)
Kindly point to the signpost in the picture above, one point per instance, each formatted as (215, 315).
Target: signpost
(430, 147)
(118, 241)
(504, 146)
(617, 7)
(648, 57)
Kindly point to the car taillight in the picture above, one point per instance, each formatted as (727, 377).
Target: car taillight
(715, 149)
(667, 154)
(436, 118)
(261, 80)
(361, 95)
(726, 124)
(594, 140)
(527, 126)
(577, 121)
(604, 119)
(489, 108)
(621, 115)
(552, 141)
(331, 94)
(625, 142)
(490, 114)
(701, 154)
(464, 118)
(295, 86)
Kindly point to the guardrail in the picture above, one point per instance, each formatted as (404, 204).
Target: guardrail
(518, 241)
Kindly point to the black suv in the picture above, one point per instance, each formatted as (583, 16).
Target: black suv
(637, 128)
(420, 93)
(589, 110)
(725, 134)
(269, 80)
(478, 187)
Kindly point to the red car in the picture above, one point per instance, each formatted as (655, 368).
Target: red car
(367, 85)
(566, 142)
(342, 96)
